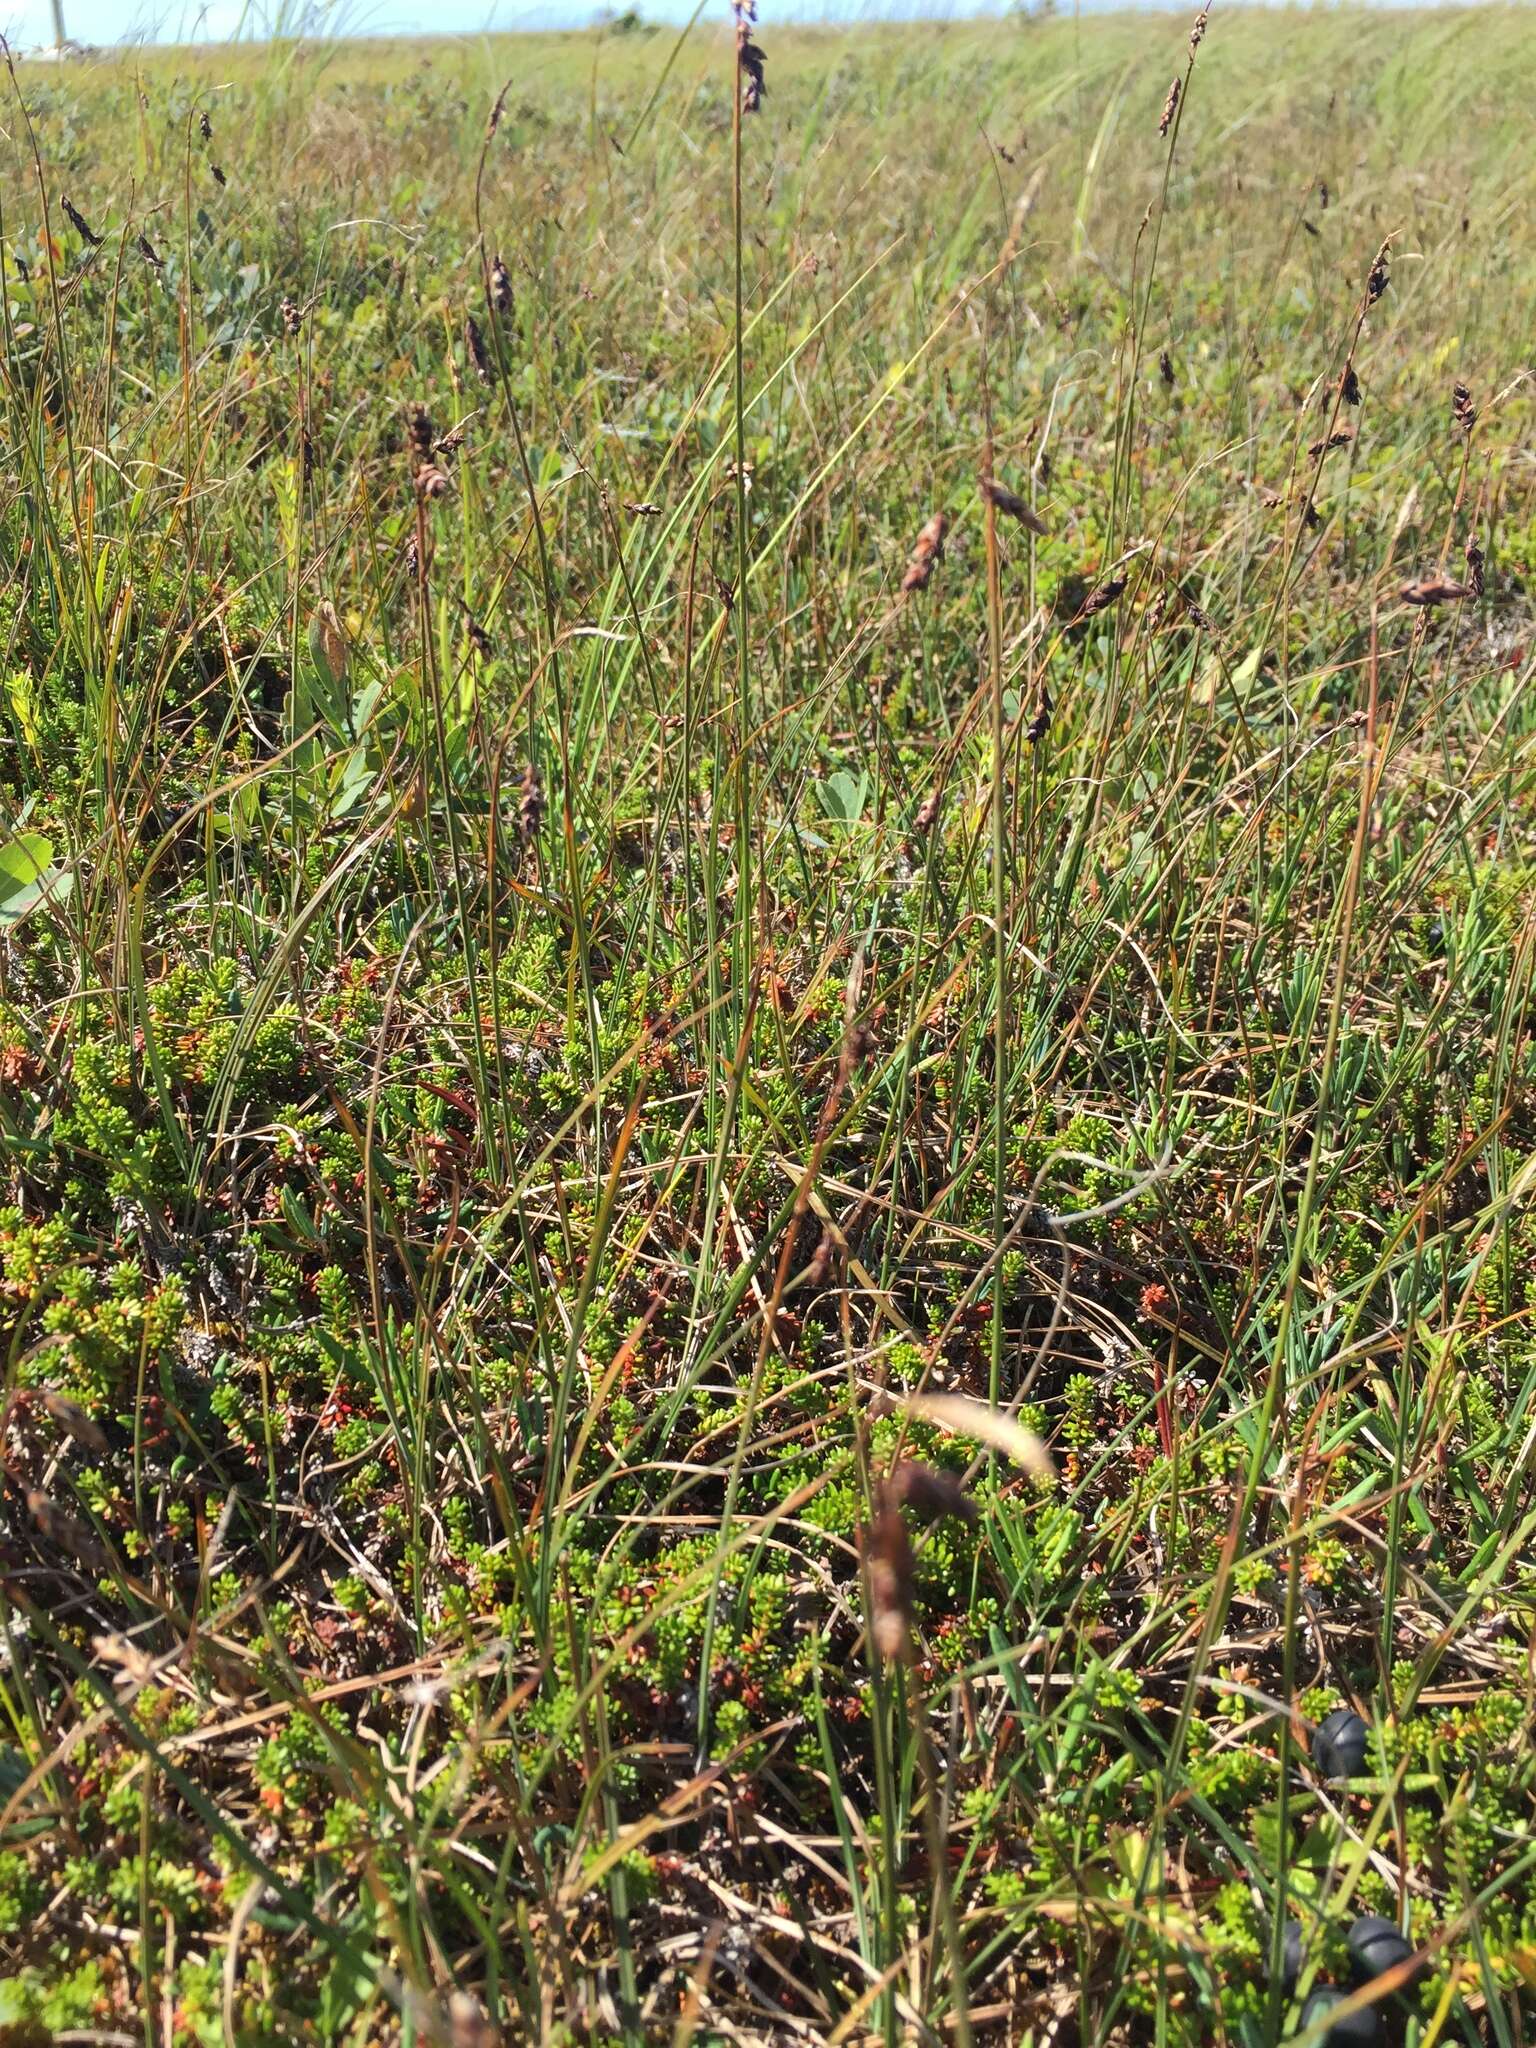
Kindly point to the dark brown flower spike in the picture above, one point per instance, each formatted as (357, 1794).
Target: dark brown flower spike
(1015, 507)
(81, 225)
(501, 287)
(1463, 411)
(1170, 106)
(1040, 724)
(1379, 278)
(293, 316)
(1102, 598)
(1349, 385)
(422, 432)
(1339, 438)
(430, 481)
(749, 58)
(474, 343)
(475, 633)
(146, 249)
(1474, 555)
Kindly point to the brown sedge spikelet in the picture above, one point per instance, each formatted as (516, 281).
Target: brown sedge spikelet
(1100, 599)
(64, 1532)
(892, 1583)
(81, 225)
(823, 1260)
(860, 1041)
(1170, 106)
(74, 1421)
(292, 316)
(1378, 277)
(1009, 502)
(928, 812)
(1040, 724)
(451, 442)
(423, 435)
(931, 1493)
(475, 633)
(430, 481)
(1197, 29)
(1433, 590)
(501, 287)
(474, 344)
(1339, 438)
(1474, 555)
(926, 554)
(1463, 411)
(749, 58)
(1349, 385)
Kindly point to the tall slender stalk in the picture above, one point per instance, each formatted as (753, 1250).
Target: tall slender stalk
(999, 903)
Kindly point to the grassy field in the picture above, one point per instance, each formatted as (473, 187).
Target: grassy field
(768, 1098)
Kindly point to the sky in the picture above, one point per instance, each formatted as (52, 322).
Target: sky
(29, 23)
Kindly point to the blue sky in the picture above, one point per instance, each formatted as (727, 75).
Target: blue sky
(28, 23)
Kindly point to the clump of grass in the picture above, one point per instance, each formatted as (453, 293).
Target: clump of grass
(584, 1081)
